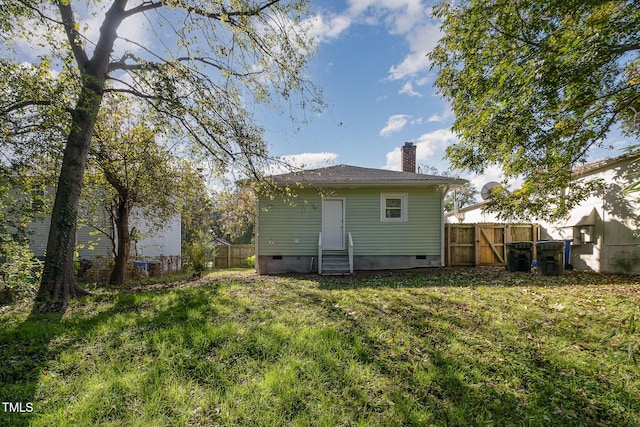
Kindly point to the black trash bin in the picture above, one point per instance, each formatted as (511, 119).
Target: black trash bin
(550, 257)
(519, 256)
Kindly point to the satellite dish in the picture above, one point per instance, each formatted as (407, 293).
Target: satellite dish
(488, 189)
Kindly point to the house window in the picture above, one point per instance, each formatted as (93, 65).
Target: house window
(393, 207)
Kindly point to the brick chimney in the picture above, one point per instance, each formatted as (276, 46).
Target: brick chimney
(409, 157)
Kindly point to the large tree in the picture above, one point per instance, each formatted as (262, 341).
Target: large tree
(27, 166)
(132, 170)
(199, 63)
(236, 213)
(536, 86)
(464, 195)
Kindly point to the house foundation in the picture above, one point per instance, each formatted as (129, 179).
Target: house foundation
(309, 264)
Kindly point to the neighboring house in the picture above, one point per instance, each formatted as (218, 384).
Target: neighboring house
(162, 247)
(605, 228)
(343, 218)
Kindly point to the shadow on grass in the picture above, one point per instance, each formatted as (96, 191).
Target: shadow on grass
(462, 277)
(24, 352)
(28, 350)
(439, 362)
(448, 366)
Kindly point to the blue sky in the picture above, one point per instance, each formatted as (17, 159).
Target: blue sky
(372, 66)
(373, 69)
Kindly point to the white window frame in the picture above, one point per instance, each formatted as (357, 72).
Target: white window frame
(404, 207)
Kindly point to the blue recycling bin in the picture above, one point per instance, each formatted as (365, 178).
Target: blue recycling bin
(567, 254)
(140, 265)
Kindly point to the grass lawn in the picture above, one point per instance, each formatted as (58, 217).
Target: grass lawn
(421, 347)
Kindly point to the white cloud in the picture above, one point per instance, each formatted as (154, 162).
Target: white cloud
(410, 19)
(400, 15)
(395, 124)
(302, 161)
(426, 146)
(411, 14)
(408, 89)
(326, 28)
(394, 160)
(311, 160)
(435, 118)
(428, 143)
(439, 118)
(412, 64)
(42, 38)
(38, 38)
(421, 39)
(423, 81)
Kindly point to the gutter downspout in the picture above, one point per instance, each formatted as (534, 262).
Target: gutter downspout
(442, 248)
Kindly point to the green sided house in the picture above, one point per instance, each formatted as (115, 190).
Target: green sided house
(345, 218)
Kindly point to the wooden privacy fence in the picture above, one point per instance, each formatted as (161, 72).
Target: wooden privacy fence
(484, 244)
(226, 256)
(465, 244)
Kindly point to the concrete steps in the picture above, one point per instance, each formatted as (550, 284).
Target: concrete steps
(335, 263)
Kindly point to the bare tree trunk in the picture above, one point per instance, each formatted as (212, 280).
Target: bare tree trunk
(118, 275)
(58, 285)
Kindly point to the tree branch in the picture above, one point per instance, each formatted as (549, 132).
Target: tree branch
(624, 48)
(150, 5)
(145, 6)
(24, 104)
(122, 65)
(133, 92)
(70, 25)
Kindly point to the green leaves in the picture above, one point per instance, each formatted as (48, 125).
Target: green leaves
(535, 87)
(130, 161)
(200, 77)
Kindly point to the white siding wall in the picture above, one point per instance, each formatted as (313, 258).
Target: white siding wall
(615, 245)
(97, 247)
(166, 242)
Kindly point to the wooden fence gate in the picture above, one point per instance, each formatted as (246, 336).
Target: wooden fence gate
(484, 244)
(225, 256)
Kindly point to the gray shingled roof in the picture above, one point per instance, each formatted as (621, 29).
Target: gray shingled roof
(593, 167)
(346, 175)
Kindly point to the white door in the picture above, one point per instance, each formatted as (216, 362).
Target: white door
(333, 224)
